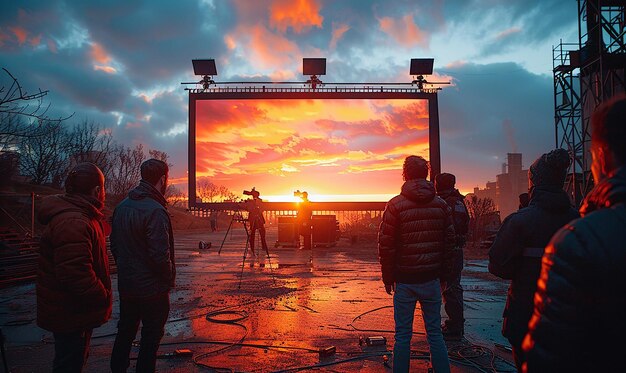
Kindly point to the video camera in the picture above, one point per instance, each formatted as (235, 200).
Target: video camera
(254, 193)
(299, 194)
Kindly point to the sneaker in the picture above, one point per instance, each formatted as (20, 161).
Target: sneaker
(450, 334)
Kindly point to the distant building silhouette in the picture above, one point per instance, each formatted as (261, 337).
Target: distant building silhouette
(505, 191)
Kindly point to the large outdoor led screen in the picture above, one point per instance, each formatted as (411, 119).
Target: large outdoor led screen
(336, 149)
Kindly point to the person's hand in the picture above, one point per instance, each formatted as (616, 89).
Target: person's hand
(390, 288)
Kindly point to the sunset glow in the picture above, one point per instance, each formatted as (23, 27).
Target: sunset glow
(337, 150)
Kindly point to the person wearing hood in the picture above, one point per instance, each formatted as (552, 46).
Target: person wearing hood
(452, 291)
(415, 243)
(578, 323)
(519, 244)
(73, 284)
(142, 244)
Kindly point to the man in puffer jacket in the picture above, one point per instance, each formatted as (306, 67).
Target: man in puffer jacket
(73, 284)
(579, 323)
(517, 249)
(415, 244)
(143, 246)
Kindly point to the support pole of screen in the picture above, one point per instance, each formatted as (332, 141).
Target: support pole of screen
(191, 171)
(434, 147)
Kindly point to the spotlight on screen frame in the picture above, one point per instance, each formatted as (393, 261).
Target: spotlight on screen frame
(204, 67)
(422, 66)
(314, 66)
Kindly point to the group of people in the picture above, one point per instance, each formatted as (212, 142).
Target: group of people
(74, 293)
(566, 301)
(565, 306)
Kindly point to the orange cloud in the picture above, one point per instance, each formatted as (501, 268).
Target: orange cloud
(271, 50)
(300, 15)
(230, 42)
(98, 54)
(338, 31)
(508, 32)
(20, 33)
(404, 31)
(106, 69)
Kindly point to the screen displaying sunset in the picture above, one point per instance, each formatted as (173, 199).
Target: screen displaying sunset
(337, 150)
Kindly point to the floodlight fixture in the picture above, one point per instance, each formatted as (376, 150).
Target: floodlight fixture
(207, 69)
(422, 66)
(204, 67)
(314, 66)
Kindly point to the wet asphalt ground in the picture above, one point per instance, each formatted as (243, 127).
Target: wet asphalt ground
(276, 314)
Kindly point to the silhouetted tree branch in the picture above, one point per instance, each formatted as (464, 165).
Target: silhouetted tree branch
(16, 104)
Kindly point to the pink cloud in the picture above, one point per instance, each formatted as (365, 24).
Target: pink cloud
(300, 15)
(338, 31)
(106, 69)
(508, 32)
(404, 31)
(52, 45)
(20, 33)
(35, 41)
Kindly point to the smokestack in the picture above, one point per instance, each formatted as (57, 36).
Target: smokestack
(504, 168)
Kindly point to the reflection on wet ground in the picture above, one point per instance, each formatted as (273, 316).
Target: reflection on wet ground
(276, 313)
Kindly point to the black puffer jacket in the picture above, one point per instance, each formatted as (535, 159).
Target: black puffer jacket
(143, 244)
(416, 235)
(517, 250)
(579, 319)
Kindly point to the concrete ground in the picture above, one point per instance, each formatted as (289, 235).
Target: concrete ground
(275, 317)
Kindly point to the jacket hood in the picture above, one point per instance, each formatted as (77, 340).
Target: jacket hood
(607, 193)
(551, 198)
(419, 190)
(52, 206)
(450, 193)
(146, 190)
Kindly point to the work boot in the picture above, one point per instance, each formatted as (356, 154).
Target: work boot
(451, 334)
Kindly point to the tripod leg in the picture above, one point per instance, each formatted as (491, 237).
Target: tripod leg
(267, 251)
(245, 253)
(226, 235)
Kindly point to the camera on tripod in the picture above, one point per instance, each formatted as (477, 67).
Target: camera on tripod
(299, 194)
(254, 193)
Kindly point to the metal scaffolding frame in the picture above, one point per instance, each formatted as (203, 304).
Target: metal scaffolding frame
(586, 75)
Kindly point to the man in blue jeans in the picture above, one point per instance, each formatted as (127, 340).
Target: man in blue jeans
(143, 246)
(415, 244)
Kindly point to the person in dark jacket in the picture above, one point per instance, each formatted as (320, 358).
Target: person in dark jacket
(256, 220)
(142, 244)
(524, 200)
(517, 249)
(73, 284)
(415, 243)
(452, 291)
(578, 323)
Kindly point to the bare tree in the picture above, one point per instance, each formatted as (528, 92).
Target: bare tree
(125, 169)
(16, 103)
(174, 196)
(89, 142)
(479, 209)
(44, 157)
(160, 155)
(226, 195)
(207, 191)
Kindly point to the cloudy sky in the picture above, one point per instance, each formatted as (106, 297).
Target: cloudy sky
(120, 63)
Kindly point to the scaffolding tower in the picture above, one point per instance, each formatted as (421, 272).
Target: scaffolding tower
(587, 74)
